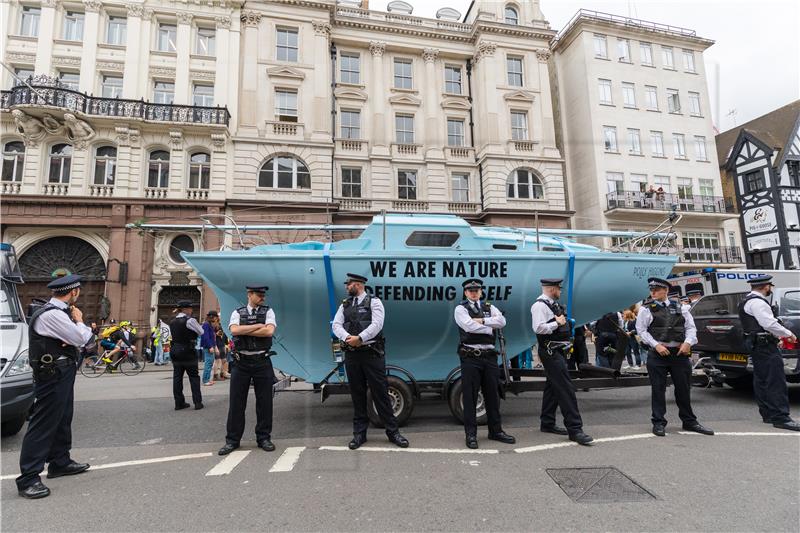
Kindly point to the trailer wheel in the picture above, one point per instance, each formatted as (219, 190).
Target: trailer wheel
(401, 398)
(456, 403)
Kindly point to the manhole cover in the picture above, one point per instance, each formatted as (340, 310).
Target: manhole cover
(603, 484)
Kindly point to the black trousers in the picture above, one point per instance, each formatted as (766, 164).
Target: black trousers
(259, 372)
(769, 383)
(559, 391)
(49, 435)
(190, 367)
(580, 353)
(366, 368)
(679, 367)
(484, 374)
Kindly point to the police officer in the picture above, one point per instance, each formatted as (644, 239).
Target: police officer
(762, 330)
(252, 327)
(694, 295)
(551, 328)
(477, 322)
(56, 332)
(358, 323)
(668, 329)
(185, 330)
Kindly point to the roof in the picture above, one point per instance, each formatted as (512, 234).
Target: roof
(773, 129)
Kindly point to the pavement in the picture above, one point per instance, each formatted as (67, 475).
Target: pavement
(156, 469)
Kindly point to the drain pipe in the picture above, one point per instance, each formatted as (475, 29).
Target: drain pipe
(472, 129)
(333, 121)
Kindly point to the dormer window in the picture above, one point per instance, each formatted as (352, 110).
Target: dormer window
(511, 16)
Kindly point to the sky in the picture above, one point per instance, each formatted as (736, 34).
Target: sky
(757, 47)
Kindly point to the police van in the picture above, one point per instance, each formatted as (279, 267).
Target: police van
(713, 281)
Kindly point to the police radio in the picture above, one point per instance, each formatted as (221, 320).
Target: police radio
(336, 350)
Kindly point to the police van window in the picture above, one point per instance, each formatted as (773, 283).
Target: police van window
(709, 305)
(790, 304)
(9, 303)
(435, 239)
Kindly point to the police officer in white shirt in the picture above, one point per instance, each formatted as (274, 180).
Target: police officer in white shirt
(56, 333)
(762, 331)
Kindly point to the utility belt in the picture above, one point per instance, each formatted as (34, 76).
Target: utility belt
(252, 357)
(45, 367)
(559, 347)
(377, 347)
(761, 339)
(466, 351)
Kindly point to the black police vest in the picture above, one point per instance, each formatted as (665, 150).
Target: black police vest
(668, 324)
(561, 333)
(249, 343)
(358, 316)
(466, 337)
(38, 345)
(750, 325)
(183, 340)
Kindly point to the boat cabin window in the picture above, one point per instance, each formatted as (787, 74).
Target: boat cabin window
(504, 246)
(439, 239)
(552, 248)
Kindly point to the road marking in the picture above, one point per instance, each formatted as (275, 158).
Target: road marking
(625, 437)
(230, 462)
(151, 441)
(288, 459)
(746, 433)
(541, 447)
(407, 450)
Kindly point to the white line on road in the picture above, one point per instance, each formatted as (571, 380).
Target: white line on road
(407, 450)
(541, 447)
(747, 433)
(230, 462)
(625, 437)
(288, 459)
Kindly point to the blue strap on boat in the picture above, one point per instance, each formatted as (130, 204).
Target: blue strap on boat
(326, 260)
(570, 276)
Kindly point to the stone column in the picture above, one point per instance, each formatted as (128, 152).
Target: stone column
(130, 81)
(487, 75)
(44, 49)
(544, 108)
(222, 80)
(433, 134)
(378, 100)
(321, 112)
(183, 49)
(249, 92)
(91, 31)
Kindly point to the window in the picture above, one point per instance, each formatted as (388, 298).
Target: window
(206, 42)
(761, 260)
(167, 37)
(662, 182)
(22, 74)
(351, 124)
(651, 97)
(111, 87)
(350, 67)
(657, 143)
(646, 54)
(694, 104)
(615, 182)
(511, 16)
(117, 30)
(793, 168)
(73, 26)
(69, 80)
(404, 129)
(524, 184)
(639, 182)
(105, 165)
(200, 171)
(754, 181)
(519, 125)
(701, 246)
(459, 183)
(29, 25)
(287, 45)
(634, 142)
(163, 92)
(685, 188)
(452, 80)
(700, 148)
(679, 145)
(604, 91)
(13, 161)
(203, 95)
(673, 101)
(402, 74)
(439, 239)
(407, 184)
(60, 163)
(455, 132)
(628, 94)
(181, 243)
(667, 59)
(351, 182)
(624, 50)
(706, 187)
(688, 61)
(610, 138)
(514, 67)
(600, 48)
(158, 169)
(284, 172)
(286, 105)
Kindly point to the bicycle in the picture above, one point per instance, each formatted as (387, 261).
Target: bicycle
(128, 362)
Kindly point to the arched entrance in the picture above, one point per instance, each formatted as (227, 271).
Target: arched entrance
(169, 297)
(57, 256)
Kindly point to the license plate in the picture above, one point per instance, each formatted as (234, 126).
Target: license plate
(735, 357)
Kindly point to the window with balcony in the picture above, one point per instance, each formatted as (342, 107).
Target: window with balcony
(166, 37)
(685, 188)
(610, 138)
(688, 61)
(673, 101)
(706, 187)
(206, 42)
(350, 67)
(111, 87)
(403, 78)
(519, 125)
(200, 171)
(117, 30)
(351, 124)
(60, 163)
(694, 104)
(639, 182)
(667, 58)
(651, 97)
(514, 67)
(286, 105)
(657, 143)
(634, 142)
(525, 184)
(73, 26)
(287, 49)
(351, 182)
(662, 183)
(105, 165)
(646, 54)
(604, 91)
(679, 145)
(615, 181)
(624, 50)
(628, 94)
(284, 172)
(700, 246)
(163, 92)
(700, 148)
(203, 95)
(455, 132)
(754, 181)
(13, 161)
(511, 15)
(29, 25)
(459, 187)
(600, 46)
(407, 184)
(404, 129)
(22, 74)
(452, 79)
(158, 169)
(70, 80)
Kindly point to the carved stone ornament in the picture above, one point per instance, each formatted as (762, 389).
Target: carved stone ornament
(50, 3)
(377, 48)
(202, 75)
(250, 18)
(67, 61)
(218, 140)
(123, 135)
(485, 49)
(543, 54)
(135, 10)
(19, 57)
(162, 72)
(92, 6)
(184, 18)
(53, 126)
(321, 27)
(31, 128)
(223, 23)
(430, 54)
(176, 139)
(80, 132)
(110, 65)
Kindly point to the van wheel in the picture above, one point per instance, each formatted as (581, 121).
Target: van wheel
(744, 383)
(456, 403)
(400, 397)
(12, 427)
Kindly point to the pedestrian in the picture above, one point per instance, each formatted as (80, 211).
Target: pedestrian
(478, 322)
(221, 359)
(208, 342)
(694, 295)
(252, 327)
(762, 331)
(56, 333)
(607, 328)
(632, 352)
(580, 353)
(358, 323)
(160, 335)
(670, 332)
(166, 340)
(553, 336)
(185, 330)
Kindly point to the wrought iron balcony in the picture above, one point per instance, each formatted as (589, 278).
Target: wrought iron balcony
(724, 255)
(49, 91)
(665, 201)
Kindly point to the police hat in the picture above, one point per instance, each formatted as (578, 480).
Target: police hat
(551, 282)
(694, 292)
(763, 279)
(65, 284)
(473, 283)
(354, 277)
(658, 283)
(183, 304)
(212, 313)
(257, 288)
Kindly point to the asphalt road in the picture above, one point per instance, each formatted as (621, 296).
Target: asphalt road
(747, 479)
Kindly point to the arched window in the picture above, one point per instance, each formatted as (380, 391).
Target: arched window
(511, 15)
(200, 171)
(158, 169)
(60, 163)
(13, 161)
(284, 172)
(523, 183)
(105, 165)
(181, 243)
